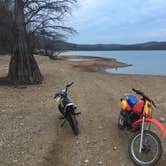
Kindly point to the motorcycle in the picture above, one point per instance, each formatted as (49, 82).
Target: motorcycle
(67, 109)
(145, 147)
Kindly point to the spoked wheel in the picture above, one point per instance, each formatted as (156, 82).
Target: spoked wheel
(121, 120)
(151, 150)
(73, 123)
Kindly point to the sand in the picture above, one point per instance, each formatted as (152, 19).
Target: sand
(30, 132)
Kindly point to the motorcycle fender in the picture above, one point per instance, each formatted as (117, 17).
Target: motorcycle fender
(154, 121)
(70, 106)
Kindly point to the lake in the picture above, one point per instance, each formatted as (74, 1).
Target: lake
(144, 62)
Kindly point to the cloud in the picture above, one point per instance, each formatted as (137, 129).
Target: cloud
(109, 21)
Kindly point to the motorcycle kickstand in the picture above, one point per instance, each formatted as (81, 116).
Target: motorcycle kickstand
(77, 113)
(61, 117)
(63, 123)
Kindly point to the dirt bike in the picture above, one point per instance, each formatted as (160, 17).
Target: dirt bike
(67, 109)
(145, 147)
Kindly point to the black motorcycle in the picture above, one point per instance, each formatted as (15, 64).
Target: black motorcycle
(67, 109)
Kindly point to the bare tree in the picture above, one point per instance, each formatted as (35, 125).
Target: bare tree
(30, 17)
(23, 67)
(6, 21)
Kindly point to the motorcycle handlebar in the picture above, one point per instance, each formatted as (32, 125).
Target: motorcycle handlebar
(138, 91)
(69, 84)
(143, 95)
(56, 95)
(64, 90)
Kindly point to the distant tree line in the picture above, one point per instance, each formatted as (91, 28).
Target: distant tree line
(110, 47)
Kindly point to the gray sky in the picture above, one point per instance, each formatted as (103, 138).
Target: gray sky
(119, 21)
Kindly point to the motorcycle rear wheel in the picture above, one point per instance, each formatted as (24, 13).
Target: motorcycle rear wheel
(151, 151)
(73, 123)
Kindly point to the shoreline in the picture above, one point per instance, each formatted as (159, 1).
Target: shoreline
(96, 64)
(100, 64)
(93, 63)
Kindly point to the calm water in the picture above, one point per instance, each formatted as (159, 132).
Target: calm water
(144, 62)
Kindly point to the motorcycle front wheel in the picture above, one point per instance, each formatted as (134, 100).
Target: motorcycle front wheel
(121, 120)
(151, 149)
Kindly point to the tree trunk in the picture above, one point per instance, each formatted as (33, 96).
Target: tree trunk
(23, 68)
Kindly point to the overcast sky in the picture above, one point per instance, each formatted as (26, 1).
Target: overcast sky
(119, 21)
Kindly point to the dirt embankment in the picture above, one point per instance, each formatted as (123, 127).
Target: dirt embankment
(30, 132)
(91, 63)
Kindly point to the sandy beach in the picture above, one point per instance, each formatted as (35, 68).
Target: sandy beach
(30, 132)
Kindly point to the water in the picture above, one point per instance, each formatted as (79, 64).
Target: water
(79, 59)
(144, 62)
